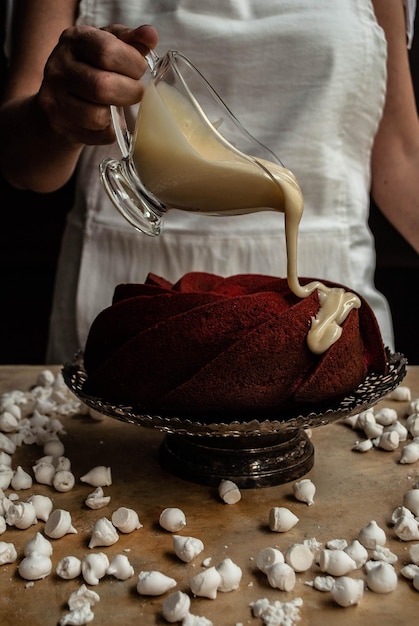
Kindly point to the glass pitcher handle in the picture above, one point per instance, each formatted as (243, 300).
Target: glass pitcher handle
(123, 136)
(152, 59)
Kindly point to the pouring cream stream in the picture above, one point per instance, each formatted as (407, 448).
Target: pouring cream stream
(188, 165)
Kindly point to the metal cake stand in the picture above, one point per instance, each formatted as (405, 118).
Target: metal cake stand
(260, 452)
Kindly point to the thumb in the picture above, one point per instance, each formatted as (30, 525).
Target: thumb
(144, 38)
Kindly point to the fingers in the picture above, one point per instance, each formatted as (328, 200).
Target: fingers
(104, 51)
(144, 38)
(89, 70)
(77, 121)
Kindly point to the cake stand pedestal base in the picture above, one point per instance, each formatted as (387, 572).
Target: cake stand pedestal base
(253, 461)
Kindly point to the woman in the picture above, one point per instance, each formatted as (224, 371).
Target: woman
(326, 87)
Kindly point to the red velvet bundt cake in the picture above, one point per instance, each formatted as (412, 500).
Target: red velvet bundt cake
(220, 348)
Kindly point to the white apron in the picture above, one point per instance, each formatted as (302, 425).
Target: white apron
(308, 80)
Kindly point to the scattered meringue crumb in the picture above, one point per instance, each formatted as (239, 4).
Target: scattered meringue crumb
(196, 620)
(80, 604)
(322, 583)
(277, 613)
(8, 553)
(97, 499)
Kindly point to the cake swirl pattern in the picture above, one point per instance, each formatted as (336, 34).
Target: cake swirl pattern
(220, 348)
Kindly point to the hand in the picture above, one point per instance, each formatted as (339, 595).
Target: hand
(89, 70)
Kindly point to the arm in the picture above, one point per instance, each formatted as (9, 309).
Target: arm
(61, 82)
(395, 157)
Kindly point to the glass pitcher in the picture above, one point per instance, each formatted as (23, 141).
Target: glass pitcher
(188, 152)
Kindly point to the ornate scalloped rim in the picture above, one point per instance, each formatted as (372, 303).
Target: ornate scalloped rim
(373, 389)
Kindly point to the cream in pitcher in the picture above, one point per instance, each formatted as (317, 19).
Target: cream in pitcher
(188, 165)
(179, 159)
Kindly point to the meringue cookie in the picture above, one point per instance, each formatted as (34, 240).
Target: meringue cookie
(68, 567)
(268, 557)
(154, 583)
(21, 515)
(54, 447)
(372, 535)
(229, 492)
(357, 552)
(94, 567)
(59, 524)
(281, 519)
(347, 591)
(35, 566)
(231, 575)
(336, 562)
(281, 576)
(411, 501)
(381, 577)
(126, 520)
(43, 506)
(304, 490)
(104, 533)
(44, 472)
(63, 481)
(187, 548)
(120, 567)
(21, 479)
(410, 453)
(38, 544)
(99, 476)
(299, 557)
(172, 519)
(176, 606)
(206, 583)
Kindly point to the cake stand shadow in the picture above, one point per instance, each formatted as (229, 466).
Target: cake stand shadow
(259, 452)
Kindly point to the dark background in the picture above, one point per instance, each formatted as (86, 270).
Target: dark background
(30, 238)
(397, 272)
